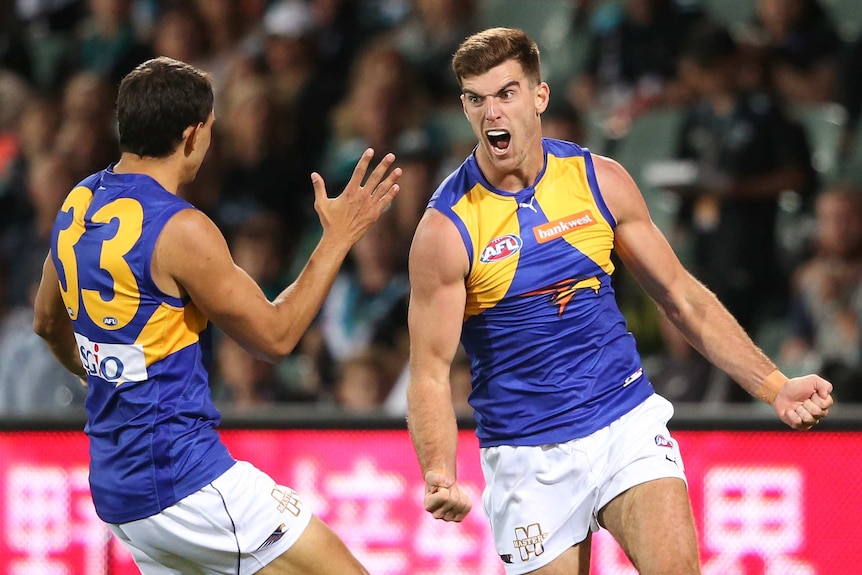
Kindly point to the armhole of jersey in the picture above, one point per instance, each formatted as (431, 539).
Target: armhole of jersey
(462, 231)
(172, 300)
(594, 188)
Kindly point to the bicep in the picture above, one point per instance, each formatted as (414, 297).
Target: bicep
(640, 244)
(195, 254)
(438, 264)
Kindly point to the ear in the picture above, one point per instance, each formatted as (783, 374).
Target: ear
(190, 138)
(464, 106)
(542, 97)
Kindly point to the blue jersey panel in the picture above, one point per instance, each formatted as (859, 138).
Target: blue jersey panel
(551, 357)
(151, 421)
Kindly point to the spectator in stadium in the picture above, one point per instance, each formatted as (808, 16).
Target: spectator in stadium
(801, 49)
(106, 41)
(254, 176)
(513, 258)
(372, 284)
(49, 388)
(34, 134)
(826, 313)
(140, 273)
(358, 384)
(383, 106)
(32, 382)
(632, 62)
(85, 146)
(180, 33)
(26, 241)
(849, 95)
(428, 37)
(747, 152)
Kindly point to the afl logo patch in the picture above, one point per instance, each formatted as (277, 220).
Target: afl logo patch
(663, 441)
(500, 248)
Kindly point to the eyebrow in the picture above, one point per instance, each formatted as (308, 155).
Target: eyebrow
(497, 93)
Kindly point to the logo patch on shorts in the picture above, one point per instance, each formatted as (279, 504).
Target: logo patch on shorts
(530, 540)
(287, 499)
(663, 441)
(276, 535)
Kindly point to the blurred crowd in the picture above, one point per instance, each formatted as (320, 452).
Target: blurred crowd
(740, 127)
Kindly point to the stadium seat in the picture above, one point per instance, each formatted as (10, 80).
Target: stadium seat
(850, 168)
(824, 124)
(735, 14)
(550, 23)
(847, 16)
(652, 139)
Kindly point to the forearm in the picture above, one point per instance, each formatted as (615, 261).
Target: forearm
(433, 427)
(715, 333)
(61, 341)
(299, 303)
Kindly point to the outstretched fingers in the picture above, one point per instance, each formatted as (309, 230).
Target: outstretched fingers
(386, 190)
(361, 169)
(377, 175)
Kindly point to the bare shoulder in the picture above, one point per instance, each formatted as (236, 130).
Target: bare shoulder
(619, 190)
(189, 244)
(437, 248)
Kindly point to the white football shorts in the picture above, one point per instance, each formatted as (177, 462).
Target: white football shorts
(541, 500)
(233, 526)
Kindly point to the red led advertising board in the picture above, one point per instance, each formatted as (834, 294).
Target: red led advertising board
(766, 503)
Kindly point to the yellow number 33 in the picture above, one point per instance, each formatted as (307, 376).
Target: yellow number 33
(119, 309)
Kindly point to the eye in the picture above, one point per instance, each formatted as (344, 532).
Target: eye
(473, 99)
(508, 94)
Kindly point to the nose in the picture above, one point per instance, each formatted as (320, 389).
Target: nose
(491, 108)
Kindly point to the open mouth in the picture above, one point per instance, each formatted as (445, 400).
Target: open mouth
(499, 140)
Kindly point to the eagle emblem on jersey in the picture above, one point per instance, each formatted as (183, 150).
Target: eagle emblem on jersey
(562, 292)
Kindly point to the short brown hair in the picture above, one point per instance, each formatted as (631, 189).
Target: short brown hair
(490, 48)
(157, 101)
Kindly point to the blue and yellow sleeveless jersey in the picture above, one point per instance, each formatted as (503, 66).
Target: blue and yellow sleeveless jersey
(551, 357)
(151, 421)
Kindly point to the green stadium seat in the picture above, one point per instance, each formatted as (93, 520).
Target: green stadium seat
(735, 14)
(847, 16)
(651, 139)
(824, 124)
(551, 24)
(850, 168)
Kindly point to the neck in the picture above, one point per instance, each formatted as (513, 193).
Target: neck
(517, 177)
(162, 170)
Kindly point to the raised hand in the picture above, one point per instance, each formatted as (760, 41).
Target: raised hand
(349, 215)
(803, 401)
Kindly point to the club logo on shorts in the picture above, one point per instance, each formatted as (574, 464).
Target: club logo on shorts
(276, 535)
(287, 499)
(663, 441)
(530, 540)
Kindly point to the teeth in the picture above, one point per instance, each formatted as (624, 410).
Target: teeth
(497, 133)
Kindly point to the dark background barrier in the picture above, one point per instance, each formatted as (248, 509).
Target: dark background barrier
(767, 500)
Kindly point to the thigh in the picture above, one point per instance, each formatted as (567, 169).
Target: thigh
(318, 551)
(653, 524)
(233, 526)
(574, 561)
(540, 501)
